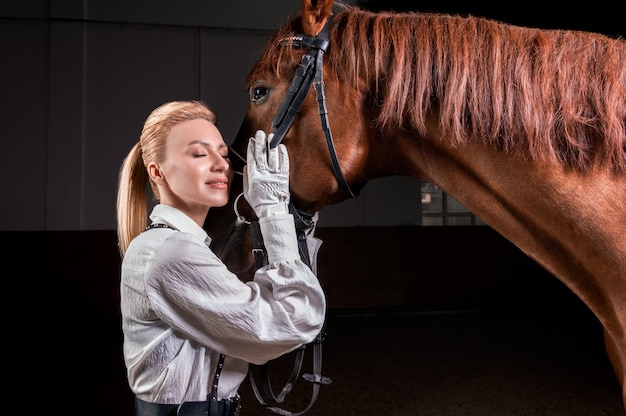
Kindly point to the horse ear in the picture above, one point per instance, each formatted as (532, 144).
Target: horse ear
(314, 15)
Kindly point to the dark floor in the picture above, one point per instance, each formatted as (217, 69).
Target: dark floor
(402, 363)
(533, 349)
(461, 364)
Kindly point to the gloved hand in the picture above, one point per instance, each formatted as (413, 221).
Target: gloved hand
(266, 176)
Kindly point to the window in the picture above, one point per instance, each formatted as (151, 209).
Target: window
(438, 208)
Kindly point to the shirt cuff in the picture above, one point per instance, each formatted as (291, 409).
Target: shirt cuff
(279, 237)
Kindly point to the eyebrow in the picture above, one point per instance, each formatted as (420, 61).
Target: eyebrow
(220, 146)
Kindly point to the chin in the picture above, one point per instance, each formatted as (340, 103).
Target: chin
(221, 203)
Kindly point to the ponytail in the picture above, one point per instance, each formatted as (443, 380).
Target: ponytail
(132, 198)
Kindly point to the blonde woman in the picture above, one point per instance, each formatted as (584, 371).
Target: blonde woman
(190, 325)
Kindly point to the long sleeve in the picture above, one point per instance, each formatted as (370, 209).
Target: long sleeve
(282, 308)
(181, 307)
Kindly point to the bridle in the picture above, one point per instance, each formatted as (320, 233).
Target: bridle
(308, 72)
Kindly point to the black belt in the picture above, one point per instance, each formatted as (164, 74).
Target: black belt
(224, 407)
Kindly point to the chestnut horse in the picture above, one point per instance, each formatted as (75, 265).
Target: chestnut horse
(525, 127)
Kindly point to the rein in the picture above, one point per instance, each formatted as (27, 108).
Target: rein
(304, 224)
(308, 72)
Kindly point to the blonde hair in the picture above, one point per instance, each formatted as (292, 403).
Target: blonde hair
(132, 192)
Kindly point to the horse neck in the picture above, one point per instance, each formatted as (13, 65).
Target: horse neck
(577, 236)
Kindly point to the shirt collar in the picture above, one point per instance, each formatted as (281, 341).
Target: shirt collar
(174, 217)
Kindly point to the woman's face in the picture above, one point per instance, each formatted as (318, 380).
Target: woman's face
(196, 173)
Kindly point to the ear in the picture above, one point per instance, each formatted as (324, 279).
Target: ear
(154, 171)
(314, 15)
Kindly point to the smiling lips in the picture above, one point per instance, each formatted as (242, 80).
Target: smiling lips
(219, 183)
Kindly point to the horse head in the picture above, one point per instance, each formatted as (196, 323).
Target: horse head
(313, 180)
(272, 85)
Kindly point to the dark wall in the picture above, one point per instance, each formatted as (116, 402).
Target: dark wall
(79, 77)
(436, 268)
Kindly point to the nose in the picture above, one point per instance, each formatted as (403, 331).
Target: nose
(220, 163)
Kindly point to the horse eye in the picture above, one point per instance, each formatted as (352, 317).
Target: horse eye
(258, 93)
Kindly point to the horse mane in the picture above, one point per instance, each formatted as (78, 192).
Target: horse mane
(556, 95)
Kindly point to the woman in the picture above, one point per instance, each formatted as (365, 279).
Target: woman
(190, 326)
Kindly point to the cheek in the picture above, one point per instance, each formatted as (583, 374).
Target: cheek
(180, 175)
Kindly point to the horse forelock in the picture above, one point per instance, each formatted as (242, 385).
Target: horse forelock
(277, 49)
(546, 94)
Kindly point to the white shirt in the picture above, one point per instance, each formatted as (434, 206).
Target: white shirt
(181, 308)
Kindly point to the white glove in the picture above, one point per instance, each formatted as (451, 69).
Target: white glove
(266, 176)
